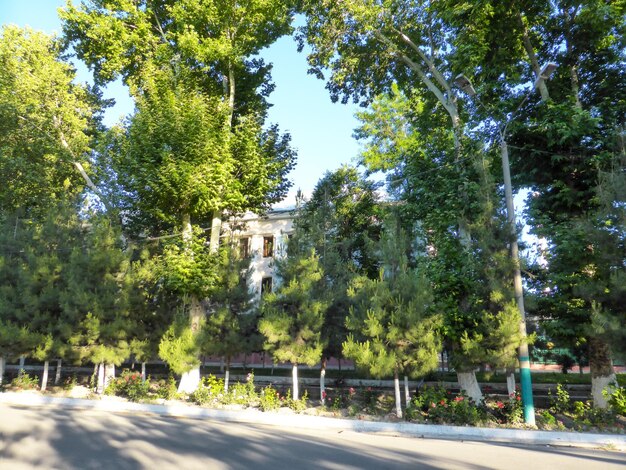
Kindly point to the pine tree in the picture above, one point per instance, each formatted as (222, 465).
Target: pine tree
(231, 321)
(96, 298)
(393, 327)
(293, 315)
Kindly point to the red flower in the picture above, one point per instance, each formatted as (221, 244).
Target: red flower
(442, 402)
(324, 395)
(518, 398)
(500, 405)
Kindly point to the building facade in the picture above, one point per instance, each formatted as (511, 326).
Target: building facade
(264, 239)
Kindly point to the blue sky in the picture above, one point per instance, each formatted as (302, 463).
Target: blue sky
(321, 130)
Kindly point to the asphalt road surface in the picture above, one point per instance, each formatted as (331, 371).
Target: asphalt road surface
(68, 439)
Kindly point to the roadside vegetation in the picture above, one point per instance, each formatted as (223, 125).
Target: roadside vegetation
(112, 243)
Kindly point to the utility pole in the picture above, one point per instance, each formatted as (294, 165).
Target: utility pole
(523, 356)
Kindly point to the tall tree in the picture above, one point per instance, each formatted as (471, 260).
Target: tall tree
(196, 146)
(46, 124)
(16, 336)
(401, 49)
(562, 146)
(404, 139)
(342, 222)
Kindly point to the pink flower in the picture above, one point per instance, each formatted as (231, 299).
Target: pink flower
(352, 391)
(442, 402)
(500, 405)
(518, 398)
(324, 395)
(511, 395)
(459, 398)
(433, 405)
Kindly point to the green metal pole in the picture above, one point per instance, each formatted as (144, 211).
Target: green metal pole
(524, 359)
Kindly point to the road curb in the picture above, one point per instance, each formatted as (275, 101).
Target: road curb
(248, 416)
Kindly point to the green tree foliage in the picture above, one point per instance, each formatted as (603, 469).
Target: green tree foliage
(180, 346)
(16, 338)
(193, 58)
(562, 145)
(472, 277)
(197, 145)
(46, 124)
(231, 324)
(393, 326)
(293, 315)
(96, 298)
(341, 222)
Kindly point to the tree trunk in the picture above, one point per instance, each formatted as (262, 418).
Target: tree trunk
(109, 374)
(57, 375)
(227, 374)
(602, 372)
(21, 368)
(469, 385)
(407, 394)
(510, 381)
(396, 386)
(100, 384)
(190, 380)
(143, 371)
(322, 382)
(294, 379)
(44, 376)
(2, 362)
(532, 57)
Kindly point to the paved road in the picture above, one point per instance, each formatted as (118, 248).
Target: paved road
(68, 439)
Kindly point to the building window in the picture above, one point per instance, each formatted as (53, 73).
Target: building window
(268, 247)
(244, 247)
(266, 285)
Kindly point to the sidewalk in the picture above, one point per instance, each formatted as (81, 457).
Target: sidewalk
(247, 416)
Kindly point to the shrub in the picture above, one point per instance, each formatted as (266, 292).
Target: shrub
(438, 405)
(429, 396)
(129, 385)
(561, 402)
(210, 390)
(70, 382)
(269, 399)
(546, 420)
(167, 389)
(510, 411)
(298, 405)
(240, 394)
(25, 382)
(566, 362)
(617, 400)
(375, 401)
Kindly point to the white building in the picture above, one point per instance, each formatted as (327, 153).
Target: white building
(264, 238)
